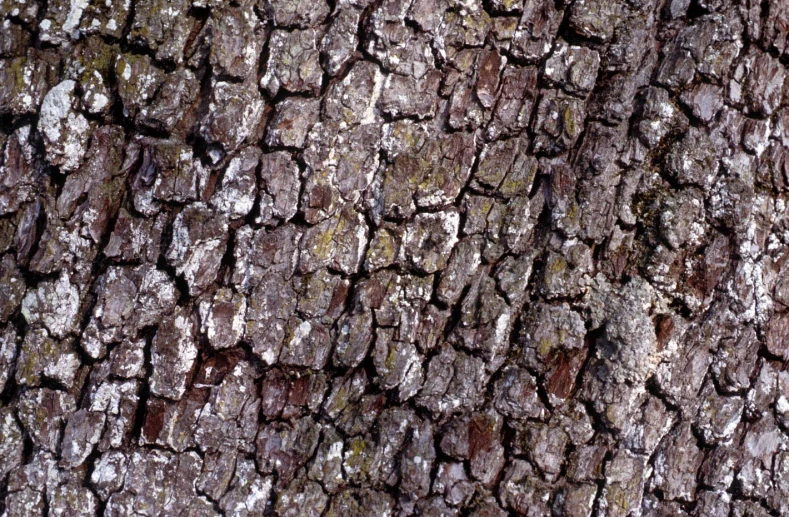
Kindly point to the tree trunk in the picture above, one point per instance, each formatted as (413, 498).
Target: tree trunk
(394, 257)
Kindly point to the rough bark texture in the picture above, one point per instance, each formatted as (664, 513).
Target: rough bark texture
(476, 258)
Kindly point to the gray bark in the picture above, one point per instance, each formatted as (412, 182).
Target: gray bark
(394, 257)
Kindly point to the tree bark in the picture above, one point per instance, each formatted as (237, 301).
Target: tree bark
(394, 257)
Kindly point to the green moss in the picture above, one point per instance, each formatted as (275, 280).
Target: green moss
(570, 126)
(544, 347)
(391, 359)
(16, 68)
(557, 265)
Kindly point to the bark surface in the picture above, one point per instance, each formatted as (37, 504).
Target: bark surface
(351, 258)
